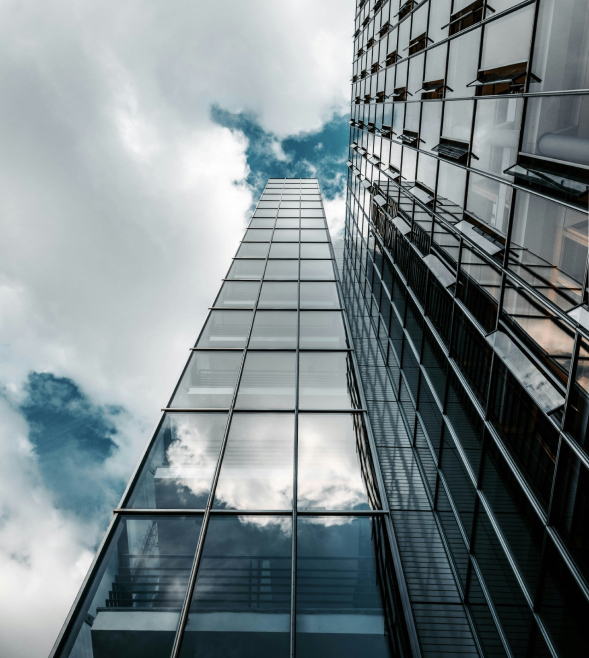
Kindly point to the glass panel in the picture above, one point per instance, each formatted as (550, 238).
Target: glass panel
(284, 250)
(257, 470)
(319, 295)
(282, 269)
(322, 330)
(326, 381)
(226, 329)
(344, 573)
(268, 381)
(279, 295)
(135, 598)
(238, 294)
(257, 235)
(208, 381)
(317, 269)
(262, 223)
(312, 223)
(317, 250)
(241, 602)
(274, 329)
(252, 250)
(507, 40)
(313, 235)
(332, 458)
(307, 212)
(181, 463)
(462, 64)
(285, 222)
(286, 235)
(247, 269)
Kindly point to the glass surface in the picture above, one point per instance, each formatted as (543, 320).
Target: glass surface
(285, 222)
(343, 575)
(310, 222)
(288, 212)
(307, 212)
(507, 39)
(274, 329)
(315, 250)
(257, 469)
(332, 456)
(268, 381)
(286, 235)
(247, 269)
(208, 381)
(278, 294)
(226, 329)
(252, 250)
(284, 250)
(262, 223)
(317, 269)
(319, 295)
(282, 269)
(241, 602)
(314, 235)
(258, 235)
(322, 330)
(326, 381)
(235, 294)
(265, 212)
(133, 607)
(181, 463)
(462, 64)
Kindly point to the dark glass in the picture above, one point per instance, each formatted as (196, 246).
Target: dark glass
(465, 420)
(327, 381)
(208, 381)
(317, 269)
(284, 250)
(315, 250)
(257, 469)
(241, 601)
(236, 294)
(274, 329)
(181, 463)
(282, 269)
(319, 295)
(334, 466)
(226, 329)
(136, 595)
(268, 381)
(345, 589)
(279, 295)
(322, 330)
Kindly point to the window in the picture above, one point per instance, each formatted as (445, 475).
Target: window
(268, 381)
(319, 295)
(246, 269)
(226, 329)
(317, 269)
(274, 329)
(322, 330)
(326, 381)
(235, 294)
(252, 250)
(282, 269)
(277, 294)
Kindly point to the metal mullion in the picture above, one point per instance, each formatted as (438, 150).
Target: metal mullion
(200, 545)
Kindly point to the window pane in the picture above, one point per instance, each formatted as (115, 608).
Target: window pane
(284, 222)
(286, 235)
(238, 294)
(274, 329)
(330, 470)
(209, 381)
(317, 250)
(319, 295)
(322, 330)
(246, 269)
(252, 250)
(257, 470)
(284, 250)
(276, 294)
(312, 223)
(226, 329)
(307, 212)
(268, 381)
(181, 463)
(241, 601)
(317, 269)
(138, 590)
(258, 235)
(282, 269)
(265, 212)
(313, 235)
(326, 381)
(262, 223)
(288, 212)
(340, 589)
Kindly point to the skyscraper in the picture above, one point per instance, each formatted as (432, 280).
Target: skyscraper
(465, 280)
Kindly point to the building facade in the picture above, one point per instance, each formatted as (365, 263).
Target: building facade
(465, 279)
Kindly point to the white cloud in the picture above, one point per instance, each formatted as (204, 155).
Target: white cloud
(121, 206)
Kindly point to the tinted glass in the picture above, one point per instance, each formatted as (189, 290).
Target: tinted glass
(282, 269)
(322, 330)
(235, 294)
(319, 295)
(284, 250)
(246, 269)
(257, 470)
(278, 295)
(315, 250)
(274, 329)
(317, 269)
(226, 329)
(268, 381)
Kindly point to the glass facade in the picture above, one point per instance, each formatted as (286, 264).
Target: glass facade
(464, 276)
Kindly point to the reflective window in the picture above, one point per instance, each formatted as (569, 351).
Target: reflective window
(276, 294)
(226, 329)
(181, 463)
(274, 329)
(326, 381)
(257, 470)
(257, 235)
(315, 250)
(262, 223)
(241, 601)
(314, 235)
(284, 250)
(286, 235)
(252, 250)
(332, 459)
(208, 381)
(246, 269)
(317, 269)
(312, 223)
(344, 573)
(264, 212)
(322, 330)
(306, 212)
(282, 269)
(268, 381)
(138, 590)
(284, 222)
(236, 294)
(319, 295)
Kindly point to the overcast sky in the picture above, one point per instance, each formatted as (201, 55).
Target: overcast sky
(135, 135)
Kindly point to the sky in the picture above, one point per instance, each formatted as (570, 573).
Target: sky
(136, 136)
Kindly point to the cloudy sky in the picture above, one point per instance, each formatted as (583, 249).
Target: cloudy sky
(135, 136)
